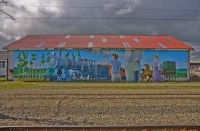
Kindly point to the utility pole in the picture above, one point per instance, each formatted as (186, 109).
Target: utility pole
(5, 2)
(197, 6)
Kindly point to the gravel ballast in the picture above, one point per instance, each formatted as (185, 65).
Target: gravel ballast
(99, 112)
(45, 112)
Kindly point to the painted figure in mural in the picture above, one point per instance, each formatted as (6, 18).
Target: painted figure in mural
(116, 67)
(156, 74)
(132, 65)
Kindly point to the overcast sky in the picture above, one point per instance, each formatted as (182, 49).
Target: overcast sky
(186, 31)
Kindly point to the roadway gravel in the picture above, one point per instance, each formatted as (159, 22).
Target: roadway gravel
(99, 112)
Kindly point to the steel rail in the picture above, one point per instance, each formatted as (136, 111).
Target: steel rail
(102, 128)
(100, 96)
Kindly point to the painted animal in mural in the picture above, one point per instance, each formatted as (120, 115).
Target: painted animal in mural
(146, 73)
(73, 69)
(167, 72)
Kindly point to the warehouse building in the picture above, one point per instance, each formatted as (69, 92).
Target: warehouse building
(195, 70)
(3, 59)
(130, 58)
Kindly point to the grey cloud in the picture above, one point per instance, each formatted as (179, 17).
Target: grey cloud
(124, 11)
(186, 31)
(108, 5)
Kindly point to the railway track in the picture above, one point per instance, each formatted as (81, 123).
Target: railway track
(100, 96)
(106, 128)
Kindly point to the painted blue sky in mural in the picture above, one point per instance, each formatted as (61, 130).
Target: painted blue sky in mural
(180, 57)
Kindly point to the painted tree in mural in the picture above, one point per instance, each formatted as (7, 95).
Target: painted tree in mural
(47, 62)
(19, 65)
(73, 56)
(24, 62)
(67, 55)
(43, 62)
(32, 69)
(79, 55)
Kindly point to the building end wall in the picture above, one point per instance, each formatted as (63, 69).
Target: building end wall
(188, 66)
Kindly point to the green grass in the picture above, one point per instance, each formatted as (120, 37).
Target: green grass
(2, 79)
(19, 84)
(98, 85)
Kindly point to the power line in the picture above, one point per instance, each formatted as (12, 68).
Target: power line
(81, 7)
(68, 8)
(8, 9)
(8, 15)
(32, 18)
(4, 2)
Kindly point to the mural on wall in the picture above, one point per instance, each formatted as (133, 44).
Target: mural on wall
(101, 65)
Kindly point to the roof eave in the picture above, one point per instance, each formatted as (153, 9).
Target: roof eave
(54, 48)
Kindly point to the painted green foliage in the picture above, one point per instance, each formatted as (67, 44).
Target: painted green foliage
(73, 55)
(47, 62)
(19, 65)
(43, 61)
(33, 59)
(22, 63)
(48, 57)
(67, 55)
(29, 68)
(78, 54)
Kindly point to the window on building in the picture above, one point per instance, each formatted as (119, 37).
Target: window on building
(2, 64)
(40, 44)
(168, 41)
(67, 36)
(161, 45)
(136, 40)
(121, 36)
(126, 44)
(151, 37)
(104, 40)
(90, 44)
(61, 44)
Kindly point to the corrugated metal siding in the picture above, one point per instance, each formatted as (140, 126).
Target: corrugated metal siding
(112, 41)
(3, 56)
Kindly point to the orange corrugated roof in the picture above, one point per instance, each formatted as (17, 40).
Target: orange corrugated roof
(96, 41)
